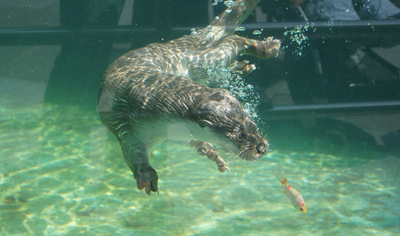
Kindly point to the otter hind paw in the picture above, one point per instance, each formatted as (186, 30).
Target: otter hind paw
(147, 180)
(271, 47)
(263, 49)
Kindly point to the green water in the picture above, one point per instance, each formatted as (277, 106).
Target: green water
(62, 173)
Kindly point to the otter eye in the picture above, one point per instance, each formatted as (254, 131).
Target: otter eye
(240, 136)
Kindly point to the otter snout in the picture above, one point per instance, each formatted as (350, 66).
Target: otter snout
(254, 151)
(262, 148)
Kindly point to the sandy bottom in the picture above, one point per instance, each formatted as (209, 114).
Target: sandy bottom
(63, 173)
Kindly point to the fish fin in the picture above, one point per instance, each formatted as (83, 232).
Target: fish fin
(279, 174)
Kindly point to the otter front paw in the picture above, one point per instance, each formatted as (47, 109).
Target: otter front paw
(222, 165)
(147, 180)
(242, 68)
(208, 150)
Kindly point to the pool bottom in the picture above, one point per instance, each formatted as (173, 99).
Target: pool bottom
(63, 173)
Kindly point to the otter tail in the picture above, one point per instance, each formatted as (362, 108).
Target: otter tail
(226, 22)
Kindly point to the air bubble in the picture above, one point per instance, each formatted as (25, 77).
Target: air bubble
(297, 38)
(257, 32)
(221, 77)
(229, 3)
(215, 3)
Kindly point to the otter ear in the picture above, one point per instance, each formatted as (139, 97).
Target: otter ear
(205, 123)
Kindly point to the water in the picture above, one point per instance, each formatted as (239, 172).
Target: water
(297, 38)
(236, 84)
(62, 172)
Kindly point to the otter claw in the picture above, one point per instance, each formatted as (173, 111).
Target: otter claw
(147, 180)
(145, 186)
(223, 168)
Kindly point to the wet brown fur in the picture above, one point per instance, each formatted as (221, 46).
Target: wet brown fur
(147, 89)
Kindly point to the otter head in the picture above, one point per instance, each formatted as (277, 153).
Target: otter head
(225, 116)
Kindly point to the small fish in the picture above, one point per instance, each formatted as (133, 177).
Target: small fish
(292, 194)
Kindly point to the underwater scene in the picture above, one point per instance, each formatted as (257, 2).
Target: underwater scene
(327, 103)
(63, 174)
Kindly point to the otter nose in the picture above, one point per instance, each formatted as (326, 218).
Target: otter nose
(262, 148)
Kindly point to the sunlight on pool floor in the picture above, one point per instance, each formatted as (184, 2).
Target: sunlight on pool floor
(63, 173)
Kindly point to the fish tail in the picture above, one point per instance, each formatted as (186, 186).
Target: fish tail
(279, 174)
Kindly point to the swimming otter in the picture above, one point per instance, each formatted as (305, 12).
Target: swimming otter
(156, 93)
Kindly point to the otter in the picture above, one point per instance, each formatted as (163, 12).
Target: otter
(158, 92)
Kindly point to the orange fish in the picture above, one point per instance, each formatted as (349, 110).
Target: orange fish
(295, 198)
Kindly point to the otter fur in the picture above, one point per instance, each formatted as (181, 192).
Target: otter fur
(157, 92)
